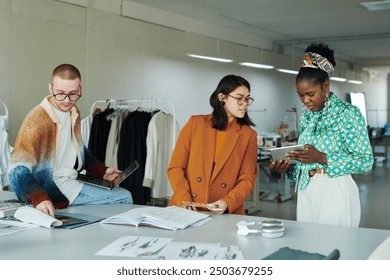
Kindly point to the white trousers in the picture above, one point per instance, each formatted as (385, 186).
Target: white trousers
(332, 201)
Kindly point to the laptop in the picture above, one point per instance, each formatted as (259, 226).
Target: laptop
(101, 183)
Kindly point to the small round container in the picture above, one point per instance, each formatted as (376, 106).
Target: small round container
(270, 223)
(272, 231)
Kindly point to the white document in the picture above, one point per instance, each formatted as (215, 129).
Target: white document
(134, 246)
(9, 227)
(30, 215)
(188, 251)
(229, 253)
(382, 252)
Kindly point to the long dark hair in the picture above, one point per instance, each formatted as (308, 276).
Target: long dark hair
(228, 84)
(317, 76)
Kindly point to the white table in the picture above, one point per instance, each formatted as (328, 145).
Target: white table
(84, 242)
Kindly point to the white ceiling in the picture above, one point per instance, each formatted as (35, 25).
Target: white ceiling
(345, 25)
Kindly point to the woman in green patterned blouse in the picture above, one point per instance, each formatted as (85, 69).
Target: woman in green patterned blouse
(336, 145)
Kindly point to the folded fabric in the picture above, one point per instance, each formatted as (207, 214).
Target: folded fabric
(286, 253)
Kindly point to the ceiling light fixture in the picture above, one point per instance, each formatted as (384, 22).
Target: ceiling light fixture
(288, 71)
(256, 65)
(219, 59)
(376, 5)
(356, 82)
(338, 79)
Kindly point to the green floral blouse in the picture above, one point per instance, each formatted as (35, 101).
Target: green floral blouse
(339, 130)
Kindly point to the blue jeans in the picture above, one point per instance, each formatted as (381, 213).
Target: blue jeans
(95, 195)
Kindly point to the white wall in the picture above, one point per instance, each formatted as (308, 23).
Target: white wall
(5, 53)
(43, 35)
(377, 101)
(124, 58)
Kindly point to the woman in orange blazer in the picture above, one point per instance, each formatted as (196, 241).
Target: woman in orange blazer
(214, 160)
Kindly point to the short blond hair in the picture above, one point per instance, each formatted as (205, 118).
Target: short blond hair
(66, 72)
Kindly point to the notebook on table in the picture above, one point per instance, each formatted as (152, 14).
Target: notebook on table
(106, 184)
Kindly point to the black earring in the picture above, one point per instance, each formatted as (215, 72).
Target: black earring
(222, 102)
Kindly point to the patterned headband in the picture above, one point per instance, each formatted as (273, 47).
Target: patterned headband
(314, 60)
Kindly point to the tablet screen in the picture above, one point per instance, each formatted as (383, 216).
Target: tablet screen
(280, 152)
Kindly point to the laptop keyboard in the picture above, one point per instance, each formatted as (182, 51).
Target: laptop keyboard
(94, 180)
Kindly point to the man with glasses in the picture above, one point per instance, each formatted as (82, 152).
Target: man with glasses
(49, 152)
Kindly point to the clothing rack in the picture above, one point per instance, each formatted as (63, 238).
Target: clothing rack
(146, 104)
(5, 147)
(5, 111)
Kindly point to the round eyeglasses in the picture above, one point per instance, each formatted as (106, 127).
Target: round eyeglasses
(241, 100)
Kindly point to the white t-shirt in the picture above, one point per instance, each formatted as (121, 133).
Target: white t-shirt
(64, 174)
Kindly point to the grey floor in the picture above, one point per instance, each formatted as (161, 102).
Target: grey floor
(374, 188)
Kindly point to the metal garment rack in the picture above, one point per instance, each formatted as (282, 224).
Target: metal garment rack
(5, 112)
(146, 104)
(4, 185)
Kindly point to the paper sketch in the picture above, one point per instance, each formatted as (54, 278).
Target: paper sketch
(8, 227)
(134, 246)
(229, 253)
(189, 251)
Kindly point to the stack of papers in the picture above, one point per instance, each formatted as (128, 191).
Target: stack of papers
(8, 207)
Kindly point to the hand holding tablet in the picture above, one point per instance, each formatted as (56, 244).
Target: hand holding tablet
(200, 205)
(280, 152)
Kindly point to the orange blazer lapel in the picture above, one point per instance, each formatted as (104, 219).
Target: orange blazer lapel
(210, 135)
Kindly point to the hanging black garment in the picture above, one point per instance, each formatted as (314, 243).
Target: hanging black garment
(100, 129)
(132, 146)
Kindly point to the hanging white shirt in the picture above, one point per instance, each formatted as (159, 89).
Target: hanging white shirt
(5, 151)
(86, 124)
(160, 142)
